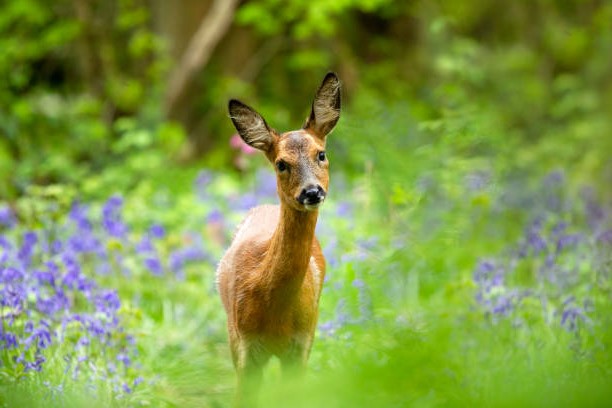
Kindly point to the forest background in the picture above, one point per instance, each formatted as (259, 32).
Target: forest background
(468, 233)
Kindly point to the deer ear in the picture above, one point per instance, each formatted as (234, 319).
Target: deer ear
(251, 126)
(325, 110)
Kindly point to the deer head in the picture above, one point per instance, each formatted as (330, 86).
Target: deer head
(298, 155)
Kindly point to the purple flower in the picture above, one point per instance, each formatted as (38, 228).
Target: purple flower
(41, 337)
(108, 302)
(595, 213)
(477, 180)
(13, 296)
(36, 365)
(25, 252)
(344, 209)
(44, 277)
(554, 179)
(84, 341)
(605, 237)
(154, 265)
(9, 339)
(78, 214)
(359, 283)
(111, 217)
(145, 245)
(157, 231)
(265, 183)
(5, 244)
(534, 239)
(566, 241)
(328, 328)
(215, 216)
(123, 357)
(51, 305)
(10, 275)
(483, 271)
(504, 304)
(244, 202)
(571, 316)
(7, 217)
(180, 257)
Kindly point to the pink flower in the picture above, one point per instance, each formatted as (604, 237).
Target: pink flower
(237, 143)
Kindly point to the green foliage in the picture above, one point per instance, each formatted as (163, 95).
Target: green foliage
(68, 82)
(453, 115)
(304, 19)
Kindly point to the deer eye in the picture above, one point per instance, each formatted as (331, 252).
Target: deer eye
(322, 156)
(281, 166)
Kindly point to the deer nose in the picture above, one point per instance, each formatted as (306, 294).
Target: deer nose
(311, 195)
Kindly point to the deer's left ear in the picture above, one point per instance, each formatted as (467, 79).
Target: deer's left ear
(325, 107)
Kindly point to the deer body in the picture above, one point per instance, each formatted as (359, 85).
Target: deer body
(271, 276)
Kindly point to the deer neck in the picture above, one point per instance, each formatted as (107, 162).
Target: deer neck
(288, 255)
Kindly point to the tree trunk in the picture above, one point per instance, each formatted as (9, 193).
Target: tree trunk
(212, 28)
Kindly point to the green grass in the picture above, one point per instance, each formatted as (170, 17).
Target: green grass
(405, 230)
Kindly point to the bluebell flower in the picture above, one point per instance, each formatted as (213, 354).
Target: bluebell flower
(28, 327)
(265, 184)
(328, 328)
(157, 231)
(572, 315)
(483, 271)
(9, 340)
(41, 337)
(78, 214)
(243, 202)
(10, 274)
(73, 271)
(43, 277)
(5, 244)
(534, 239)
(108, 301)
(567, 240)
(50, 306)
(477, 180)
(605, 237)
(27, 248)
(13, 296)
(215, 216)
(359, 283)
(145, 245)
(111, 217)
(344, 209)
(36, 365)
(154, 265)
(554, 179)
(180, 257)
(7, 217)
(124, 358)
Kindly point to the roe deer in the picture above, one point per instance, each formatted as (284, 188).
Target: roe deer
(271, 276)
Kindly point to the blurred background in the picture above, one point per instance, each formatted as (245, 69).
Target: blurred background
(88, 84)
(468, 232)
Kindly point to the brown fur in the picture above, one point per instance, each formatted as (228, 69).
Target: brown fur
(270, 278)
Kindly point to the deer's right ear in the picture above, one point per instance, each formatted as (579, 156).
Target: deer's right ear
(251, 126)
